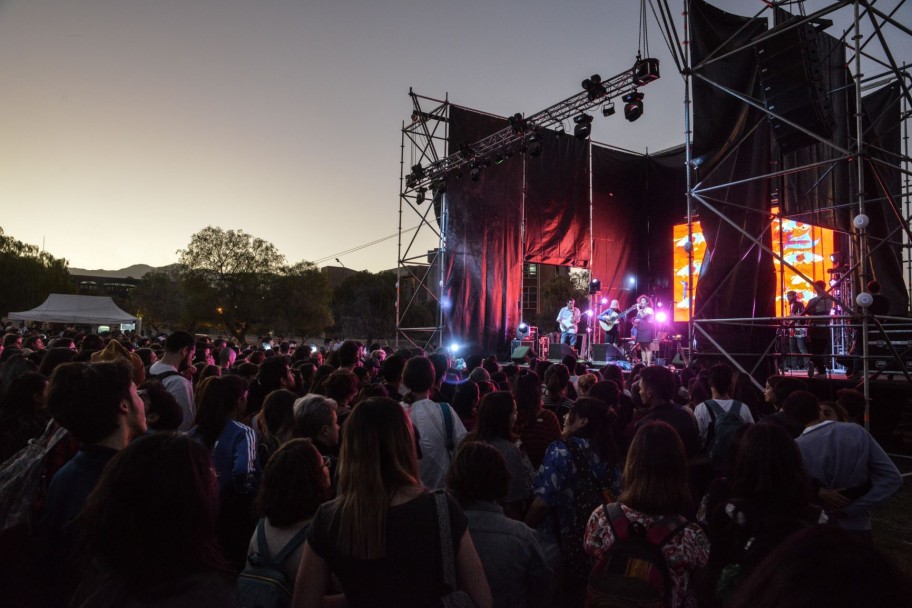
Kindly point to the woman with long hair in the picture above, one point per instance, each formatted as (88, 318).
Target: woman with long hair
(656, 490)
(557, 384)
(148, 529)
(536, 426)
(584, 457)
(496, 419)
(380, 536)
(233, 448)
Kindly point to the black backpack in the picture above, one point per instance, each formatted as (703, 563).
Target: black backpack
(589, 494)
(262, 584)
(633, 573)
(723, 427)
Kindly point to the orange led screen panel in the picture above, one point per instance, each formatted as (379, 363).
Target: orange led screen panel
(683, 291)
(808, 249)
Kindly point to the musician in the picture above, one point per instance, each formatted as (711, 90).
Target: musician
(819, 329)
(568, 318)
(797, 332)
(610, 319)
(645, 315)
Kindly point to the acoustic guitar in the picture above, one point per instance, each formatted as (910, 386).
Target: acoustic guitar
(608, 320)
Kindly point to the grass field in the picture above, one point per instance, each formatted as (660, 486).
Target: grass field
(893, 523)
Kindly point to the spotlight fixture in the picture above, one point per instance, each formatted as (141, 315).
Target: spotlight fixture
(475, 172)
(594, 87)
(517, 123)
(608, 109)
(418, 171)
(420, 196)
(467, 151)
(633, 105)
(531, 146)
(595, 286)
(522, 330)
(583, 126)
(499, 158)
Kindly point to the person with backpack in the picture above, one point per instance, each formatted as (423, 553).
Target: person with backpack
(644, 548)
(579, 473)
(718, 418)
(295, 484)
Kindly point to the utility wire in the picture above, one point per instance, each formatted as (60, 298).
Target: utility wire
(360, 247)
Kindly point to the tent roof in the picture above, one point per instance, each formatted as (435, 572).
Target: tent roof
(67, 308)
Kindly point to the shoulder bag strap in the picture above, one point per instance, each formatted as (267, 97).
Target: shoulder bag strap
(262, 549)
(292, 545)
(446, 541)
(447, 424)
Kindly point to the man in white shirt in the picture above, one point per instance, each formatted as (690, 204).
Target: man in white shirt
(180, 347)
(568, 318)
(436, 437)
(720, 380)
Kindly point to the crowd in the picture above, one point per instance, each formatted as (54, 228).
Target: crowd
(193, 472)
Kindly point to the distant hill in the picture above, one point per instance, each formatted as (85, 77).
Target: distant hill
(135, 271)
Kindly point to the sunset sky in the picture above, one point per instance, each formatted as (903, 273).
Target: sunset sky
(128, 125)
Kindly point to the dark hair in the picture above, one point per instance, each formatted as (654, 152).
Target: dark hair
(825, 566)
(178, 341)
(348, 353)
(465, 399)
(151, 518)
(161, 401)
(441, 365)
(614, 373)
(340, 385)
(598, 429)
(783, 386)
(495, 415)
(660, 380)
(278, 411)
(145, 355)
(92, 342)
(272, 371)
(18, 399)
(720, 378)
(802, 406)
(528, 395)
(392, 367)
(853, 402)
(219, 401)
(769, 470)
(418, 375)
(606, 391)
(655, 476)
(478, 472)
(85, 398)
(556, 379)
(293, 484)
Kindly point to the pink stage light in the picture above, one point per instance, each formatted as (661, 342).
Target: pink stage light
(661, 317)
(589, 312)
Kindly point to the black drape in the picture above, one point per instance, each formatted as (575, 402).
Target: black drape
(484, 254)
(731, 143)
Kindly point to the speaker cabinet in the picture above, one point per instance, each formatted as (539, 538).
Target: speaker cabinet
(606, 352)
(556, 352)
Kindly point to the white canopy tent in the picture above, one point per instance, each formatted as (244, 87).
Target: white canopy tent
(76, 309)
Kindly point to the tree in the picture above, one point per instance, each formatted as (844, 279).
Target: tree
(158, 297)
(364, 306)
(555, 293)
(300, 300)
(231, 274)
(28, 275)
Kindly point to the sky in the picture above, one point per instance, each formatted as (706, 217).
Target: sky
(126, 126)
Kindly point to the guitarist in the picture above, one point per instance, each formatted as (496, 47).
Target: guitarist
(610, 319)
(568, 318)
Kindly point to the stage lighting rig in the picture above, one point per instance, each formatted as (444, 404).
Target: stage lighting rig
(633, 105)
(524, 133)
(583, 126)
(420, 195)
(608, 109)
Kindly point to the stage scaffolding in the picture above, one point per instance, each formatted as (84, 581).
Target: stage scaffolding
(872, 65)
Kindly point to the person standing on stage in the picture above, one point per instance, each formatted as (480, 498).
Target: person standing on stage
(568, 318)
(797, 332)
(645, 330)
(611, 317)
(818, 329)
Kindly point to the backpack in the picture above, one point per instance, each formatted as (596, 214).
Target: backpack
(589, 494)
(633, 573)
(262, 584)
(161, 377)
(724, 426)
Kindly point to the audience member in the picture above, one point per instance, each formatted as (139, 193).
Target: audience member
(179, 350)
(536, 426)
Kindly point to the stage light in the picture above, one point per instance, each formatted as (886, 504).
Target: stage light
(633, 105)
(659, 303)
(499, 158)
(583, 126)
(522, 330)
(531, 146)
(454, 348)
(595, 286)
(631, 280)
(418, 171)
(420, 196)
(467, 151)
(594, 87)
(589, 312)
(661, 317)
(475, 172)
(608, 109)
(604, 301)
(518, 123)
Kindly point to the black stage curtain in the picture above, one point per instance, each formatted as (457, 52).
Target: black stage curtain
(883, 183)
(731, 142)
(557, 203)
(617, 222)
(484, 260)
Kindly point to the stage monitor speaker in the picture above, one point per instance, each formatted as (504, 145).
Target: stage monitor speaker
(606, 352)
(677, 361)
(792, 79)
(520, 353)
(558, 351)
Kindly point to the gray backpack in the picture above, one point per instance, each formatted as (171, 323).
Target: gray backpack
(262, 584)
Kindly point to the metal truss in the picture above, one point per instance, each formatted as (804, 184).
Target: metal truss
(882, 69)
